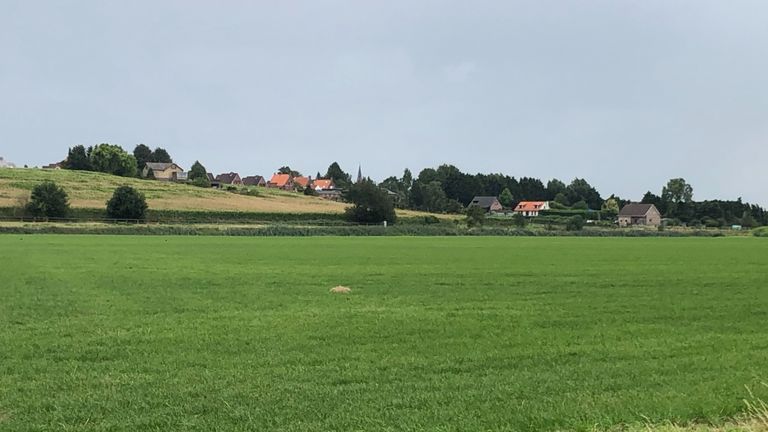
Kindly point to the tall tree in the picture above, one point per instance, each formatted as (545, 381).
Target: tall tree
(112, 159)
(197, 171)
(143, 154)
(580, 190)
(77, 159)
(677, 190)
(555, 187)
(370, 203)
(342, 179)
(506, 199)
(161, 155)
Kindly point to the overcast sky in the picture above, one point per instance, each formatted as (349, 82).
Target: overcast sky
(626, 94)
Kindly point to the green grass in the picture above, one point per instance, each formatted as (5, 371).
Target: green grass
(101, 333)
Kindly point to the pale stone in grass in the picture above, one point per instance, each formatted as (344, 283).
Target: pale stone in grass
(340, 290)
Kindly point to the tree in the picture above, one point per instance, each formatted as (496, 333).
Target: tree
(519, 220)
(434, 197)
(580, 190)
(747, 220)
(198, 175)
(77, 159)
(506, 199)
(342, 179)
(288, 170)
(143, 154)
(611, 205)
(127, 203)
(555, 187)
(561, 199)
(48, 200)
(475, 216)
(370, 204)
(112, 159)
(161, 155)
(677, 190)
(575, 223)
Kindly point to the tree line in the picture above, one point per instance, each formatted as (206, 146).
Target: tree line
(446, 189)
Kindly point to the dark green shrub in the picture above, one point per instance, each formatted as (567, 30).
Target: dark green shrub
(201, 182)
(127, 203)
(48, 200)
(431, 220)
(519, 220)
(575, 223)
(475, 217)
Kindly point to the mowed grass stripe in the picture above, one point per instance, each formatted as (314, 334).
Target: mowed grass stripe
(448, 334)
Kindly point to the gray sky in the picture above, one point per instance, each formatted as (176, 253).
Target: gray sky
(626, 94)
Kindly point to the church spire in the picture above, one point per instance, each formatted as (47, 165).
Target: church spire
(359, 173)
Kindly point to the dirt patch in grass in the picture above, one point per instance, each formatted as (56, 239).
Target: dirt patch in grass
(341, 290)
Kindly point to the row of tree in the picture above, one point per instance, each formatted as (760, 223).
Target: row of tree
(448, 189)
(113, 159)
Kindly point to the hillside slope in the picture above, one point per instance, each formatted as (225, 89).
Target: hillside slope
(92, 190)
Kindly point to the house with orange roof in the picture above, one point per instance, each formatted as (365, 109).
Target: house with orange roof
(323, 184)
(531, 208)
(281, 181)
(302, 181)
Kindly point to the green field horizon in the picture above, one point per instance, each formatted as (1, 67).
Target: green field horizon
(144, 333)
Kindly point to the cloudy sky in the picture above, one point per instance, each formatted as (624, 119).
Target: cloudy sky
(624, 93)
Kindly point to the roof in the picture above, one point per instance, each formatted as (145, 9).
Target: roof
(280, 180)
(636, 209)
(210, 177)
(530, 205)
(324, 184)
(301, 181)
(227, 178)
(161, 166)
(253, 180)
(484, 201)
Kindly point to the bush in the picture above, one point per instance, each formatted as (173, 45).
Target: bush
(201, 182)
(580, 205)
(760, 232)
(127, 203)
(475, 217)
(519, 220)
(308, 191)
(431, 220)
(48, 200)
(575, 223)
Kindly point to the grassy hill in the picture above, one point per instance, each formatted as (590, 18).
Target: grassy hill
(92, 190)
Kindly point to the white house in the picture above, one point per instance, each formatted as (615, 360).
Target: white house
(531, 208)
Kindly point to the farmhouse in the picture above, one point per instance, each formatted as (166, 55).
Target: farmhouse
(231, 178)
(323, 184)
(531, 208)
(161, 170)
(255, 181)
(488, 203)
(639, 214)
(53, 166)
(281, 181)
(302, 181)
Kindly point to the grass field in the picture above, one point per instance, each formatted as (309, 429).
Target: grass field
(439, 334)
(92, 190)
